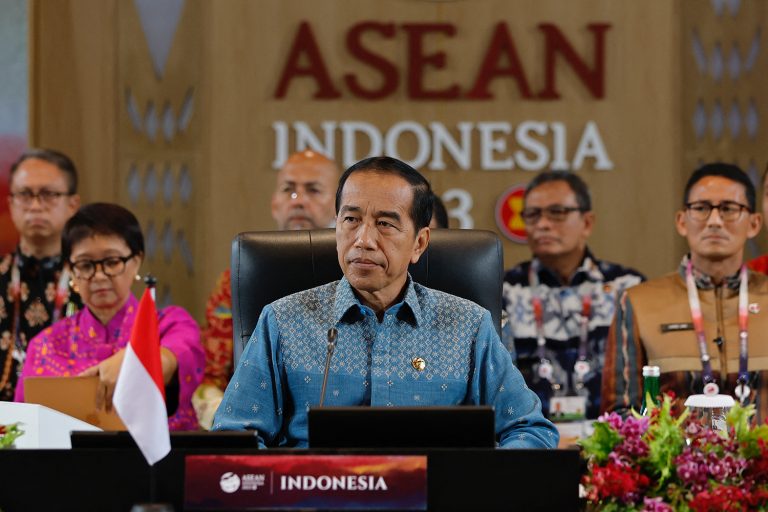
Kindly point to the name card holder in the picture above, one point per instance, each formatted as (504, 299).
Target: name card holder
(293, 482)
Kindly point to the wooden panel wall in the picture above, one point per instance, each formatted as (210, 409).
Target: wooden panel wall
(87, 55)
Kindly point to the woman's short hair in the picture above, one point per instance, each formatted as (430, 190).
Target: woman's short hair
(105, 219)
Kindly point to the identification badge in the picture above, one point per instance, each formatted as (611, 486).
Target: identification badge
(567, 408)
(545, 370)
(677, 326)
(581, 368)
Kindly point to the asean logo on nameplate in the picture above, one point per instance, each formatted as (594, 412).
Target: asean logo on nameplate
(509, 219)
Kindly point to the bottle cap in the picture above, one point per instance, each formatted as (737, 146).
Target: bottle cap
(651, 371)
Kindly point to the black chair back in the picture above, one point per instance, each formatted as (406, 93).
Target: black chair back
(268, 265)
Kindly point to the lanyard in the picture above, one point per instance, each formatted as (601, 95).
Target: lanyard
(581, 367)
(710, 387)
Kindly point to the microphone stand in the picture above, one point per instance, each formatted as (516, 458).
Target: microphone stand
(332, 334)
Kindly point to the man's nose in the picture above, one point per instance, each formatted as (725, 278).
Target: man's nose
(298, 198)
(366, 236)
(543, 222)
(714, 218)
(36, 201)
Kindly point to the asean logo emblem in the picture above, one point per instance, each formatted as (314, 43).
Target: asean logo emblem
(509, 208)
(229, 482)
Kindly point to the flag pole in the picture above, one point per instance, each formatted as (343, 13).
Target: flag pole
(151, 283)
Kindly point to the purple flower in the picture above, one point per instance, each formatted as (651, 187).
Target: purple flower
(655, 505)
(612, 419)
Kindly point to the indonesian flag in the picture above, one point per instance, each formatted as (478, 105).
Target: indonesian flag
(140, 393)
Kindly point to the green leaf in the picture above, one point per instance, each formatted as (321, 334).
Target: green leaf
(10, 434)
(600, 444)
(665, 440)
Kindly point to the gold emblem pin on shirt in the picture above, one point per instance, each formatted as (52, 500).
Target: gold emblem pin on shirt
(418, 364)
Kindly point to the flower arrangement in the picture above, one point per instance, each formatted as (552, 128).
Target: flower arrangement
(8, 434)
(668, 462)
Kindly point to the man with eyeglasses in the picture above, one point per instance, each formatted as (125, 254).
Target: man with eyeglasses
(33, 290)
(704, 325)
(560, 304)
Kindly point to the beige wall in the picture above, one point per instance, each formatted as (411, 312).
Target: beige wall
(88, 53)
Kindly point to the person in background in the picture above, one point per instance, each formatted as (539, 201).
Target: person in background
(34, 290)
(561, 303)
(103, 248)
(303, 199)
(383, 207)
(691, 323)
(760, 264)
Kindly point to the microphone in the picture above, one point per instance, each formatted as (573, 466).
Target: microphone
(332, 334)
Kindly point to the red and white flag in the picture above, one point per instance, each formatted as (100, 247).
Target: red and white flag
(140, 392)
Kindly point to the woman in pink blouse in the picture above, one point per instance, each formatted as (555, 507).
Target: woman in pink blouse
(103, 248)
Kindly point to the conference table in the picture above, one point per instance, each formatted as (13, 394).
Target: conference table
(117, 477)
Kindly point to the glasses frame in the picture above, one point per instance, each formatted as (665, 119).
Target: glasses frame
(712, 207)
(100, 263)
(46, 197)
(549, 213)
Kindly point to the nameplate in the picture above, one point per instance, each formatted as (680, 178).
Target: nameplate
(677, 326)
(292, 482)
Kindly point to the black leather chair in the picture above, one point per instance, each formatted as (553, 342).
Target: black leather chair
(268, 265)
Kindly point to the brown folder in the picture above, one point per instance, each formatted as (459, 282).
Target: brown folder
(75, 396)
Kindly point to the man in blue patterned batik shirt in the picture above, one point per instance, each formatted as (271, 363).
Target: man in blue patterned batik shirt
(398, 343)
(560, 304)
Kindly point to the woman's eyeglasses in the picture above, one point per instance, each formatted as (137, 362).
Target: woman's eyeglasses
(112, 266)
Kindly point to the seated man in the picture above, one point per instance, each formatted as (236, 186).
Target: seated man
(689, 323)
(561, 303)
(398, 343)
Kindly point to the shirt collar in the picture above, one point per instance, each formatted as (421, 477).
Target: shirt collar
(704, 282)
(47, 263)
(588, 270)
(93, 327)
(346, 303)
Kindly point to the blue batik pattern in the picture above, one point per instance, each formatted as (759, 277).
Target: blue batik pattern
(281, 371)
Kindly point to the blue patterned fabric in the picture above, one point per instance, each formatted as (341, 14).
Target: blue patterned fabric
(281, 371)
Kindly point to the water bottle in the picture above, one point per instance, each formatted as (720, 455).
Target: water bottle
(651, 387)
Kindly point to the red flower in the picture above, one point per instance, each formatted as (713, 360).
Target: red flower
(758, 469)
(617, 481)
(724, 498)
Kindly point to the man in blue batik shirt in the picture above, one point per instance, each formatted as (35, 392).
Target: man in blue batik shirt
(399, 343)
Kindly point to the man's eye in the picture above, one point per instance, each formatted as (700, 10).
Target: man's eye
(385, 224)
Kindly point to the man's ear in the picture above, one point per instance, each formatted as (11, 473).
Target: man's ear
(74, 203)
(755, 223)
(589, 223)
(680, 224)
(420, 244)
